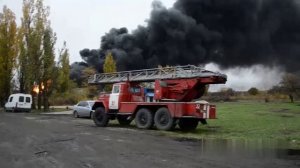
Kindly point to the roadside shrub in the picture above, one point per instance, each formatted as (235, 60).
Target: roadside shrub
(69, 98)
(253, 91)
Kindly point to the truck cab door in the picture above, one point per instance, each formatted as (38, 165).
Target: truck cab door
(114, 97)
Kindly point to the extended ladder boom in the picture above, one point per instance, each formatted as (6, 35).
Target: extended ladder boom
(150, 75)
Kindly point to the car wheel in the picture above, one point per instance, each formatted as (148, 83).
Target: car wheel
(144, 119)
(75, 114)
(100, 117)
(163, 119)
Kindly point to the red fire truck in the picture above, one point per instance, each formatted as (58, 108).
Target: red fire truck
(170, 98)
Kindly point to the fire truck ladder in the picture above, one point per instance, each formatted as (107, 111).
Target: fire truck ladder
(150, 75)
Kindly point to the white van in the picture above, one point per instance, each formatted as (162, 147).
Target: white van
(19, 102)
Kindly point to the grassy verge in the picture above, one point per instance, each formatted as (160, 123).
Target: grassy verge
(50, 110)
(37, 111)
(251, 121)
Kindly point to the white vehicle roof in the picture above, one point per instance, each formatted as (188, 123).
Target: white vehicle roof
(20, 94)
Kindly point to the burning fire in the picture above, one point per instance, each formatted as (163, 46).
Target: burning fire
(36, 88)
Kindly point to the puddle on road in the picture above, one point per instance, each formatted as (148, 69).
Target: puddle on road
(252, 149)
(30, 118)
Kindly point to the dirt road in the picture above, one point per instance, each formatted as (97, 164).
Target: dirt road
(29, 141)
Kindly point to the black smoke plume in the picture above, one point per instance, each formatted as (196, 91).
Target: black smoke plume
(227, 32)
(91, 59)
(76, 72)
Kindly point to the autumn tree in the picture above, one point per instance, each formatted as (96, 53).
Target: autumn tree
(91, 89)
(48, 65)
(63, 70)
(291, 85)
(36, 56)
(109, 64)
(24, 39)
(108, 67)
(8, 51)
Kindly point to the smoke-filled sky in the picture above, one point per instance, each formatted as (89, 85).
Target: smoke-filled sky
(253, 40)
(82, 22)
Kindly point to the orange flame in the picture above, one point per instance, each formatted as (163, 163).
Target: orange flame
(36, 88)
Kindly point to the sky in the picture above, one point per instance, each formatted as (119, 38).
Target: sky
(81, 23)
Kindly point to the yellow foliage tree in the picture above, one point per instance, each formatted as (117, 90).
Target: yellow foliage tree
(108, 67)
(8, 51)
(109, 63)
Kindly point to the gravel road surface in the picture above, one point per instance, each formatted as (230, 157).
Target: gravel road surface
(60, 141)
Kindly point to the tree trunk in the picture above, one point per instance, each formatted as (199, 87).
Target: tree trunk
(22, 84)
(39, 97)
(33, 100)
(7, 93)
(291, 98)
(45, 100)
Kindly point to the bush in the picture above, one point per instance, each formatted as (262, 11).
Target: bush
(69, 98)
(253, 91)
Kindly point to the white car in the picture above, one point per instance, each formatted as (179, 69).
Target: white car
(83, 109)
(19, 102)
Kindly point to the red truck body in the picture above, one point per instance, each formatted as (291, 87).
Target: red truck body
(173, 101)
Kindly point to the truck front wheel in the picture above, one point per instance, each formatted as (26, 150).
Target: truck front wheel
(100, 117)
(188, 124)
(163, 119)
(144, 119)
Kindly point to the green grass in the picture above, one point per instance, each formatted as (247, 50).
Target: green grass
(251, 121)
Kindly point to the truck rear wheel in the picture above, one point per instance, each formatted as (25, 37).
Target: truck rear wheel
(100, 117)
(123, 120)
(188, 124)
(144, 119)
(163, 119)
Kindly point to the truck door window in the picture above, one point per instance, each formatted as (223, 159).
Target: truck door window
(27, 99)
(21, 99)
(11, 99)
(116, 89)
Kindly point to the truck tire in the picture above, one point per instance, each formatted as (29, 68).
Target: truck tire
(144, 119)
(100, 117)
(123, 120)
(188, 124)
(163, 119)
